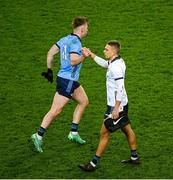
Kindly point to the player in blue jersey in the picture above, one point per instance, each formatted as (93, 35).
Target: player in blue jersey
(68, 87)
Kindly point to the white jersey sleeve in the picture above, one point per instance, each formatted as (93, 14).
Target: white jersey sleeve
(119, 75)
(120, 89)
(101, 62)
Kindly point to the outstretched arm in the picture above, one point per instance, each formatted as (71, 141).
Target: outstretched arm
(100, 61)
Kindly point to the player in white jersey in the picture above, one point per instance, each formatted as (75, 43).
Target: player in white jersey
(68, 87)
(116, 116)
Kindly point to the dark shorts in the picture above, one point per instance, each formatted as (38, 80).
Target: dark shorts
(66, 87)
(114, 124)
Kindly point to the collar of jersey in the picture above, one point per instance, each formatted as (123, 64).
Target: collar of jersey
(72, 34)
(118, 57)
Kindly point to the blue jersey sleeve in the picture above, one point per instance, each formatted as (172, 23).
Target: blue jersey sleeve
(75, 47)
(58, 44)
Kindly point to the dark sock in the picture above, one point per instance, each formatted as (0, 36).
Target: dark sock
(74, 127)
(134, 153)
(95, 159)
(41, 131)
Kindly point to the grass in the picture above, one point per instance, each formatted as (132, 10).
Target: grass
(28, 29)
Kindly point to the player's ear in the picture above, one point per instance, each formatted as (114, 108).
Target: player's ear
(115, 49)
(82, 29)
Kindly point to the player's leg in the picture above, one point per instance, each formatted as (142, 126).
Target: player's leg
(81, 98)
(59, 102)
(130, 135)
(104, 138)
(131, 139)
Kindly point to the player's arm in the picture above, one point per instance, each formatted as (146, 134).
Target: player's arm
(115, 112)
(119, 94)
(76, 58)
(50, 55)
(119, 80)
(101, 62)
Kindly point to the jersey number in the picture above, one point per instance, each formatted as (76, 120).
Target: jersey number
(64, 52)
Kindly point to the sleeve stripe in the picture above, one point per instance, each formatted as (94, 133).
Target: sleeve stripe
(118, 78)
(57, 45)
(75, 53)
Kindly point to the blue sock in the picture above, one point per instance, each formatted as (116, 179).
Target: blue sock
(74, 127)
(41, 131)
(95, 159)
(134, 153)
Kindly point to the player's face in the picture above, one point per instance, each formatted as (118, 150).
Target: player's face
(109, 51)
(84, 30)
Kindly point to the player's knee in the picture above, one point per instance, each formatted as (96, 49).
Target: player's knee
(85, 102)
(104, 133)
(104, 136)
(131, 133)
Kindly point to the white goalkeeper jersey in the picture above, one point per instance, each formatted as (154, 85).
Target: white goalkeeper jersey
(114, 80)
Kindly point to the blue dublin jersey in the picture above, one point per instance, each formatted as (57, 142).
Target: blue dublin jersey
(67, 45)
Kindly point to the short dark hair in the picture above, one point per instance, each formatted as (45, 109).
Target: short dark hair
(115, 44)
(78, 21)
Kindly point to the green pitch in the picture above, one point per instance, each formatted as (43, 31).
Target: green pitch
(28, 30)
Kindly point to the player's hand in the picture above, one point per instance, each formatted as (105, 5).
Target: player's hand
(115, 113)
(48, 75)
(86, 52)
